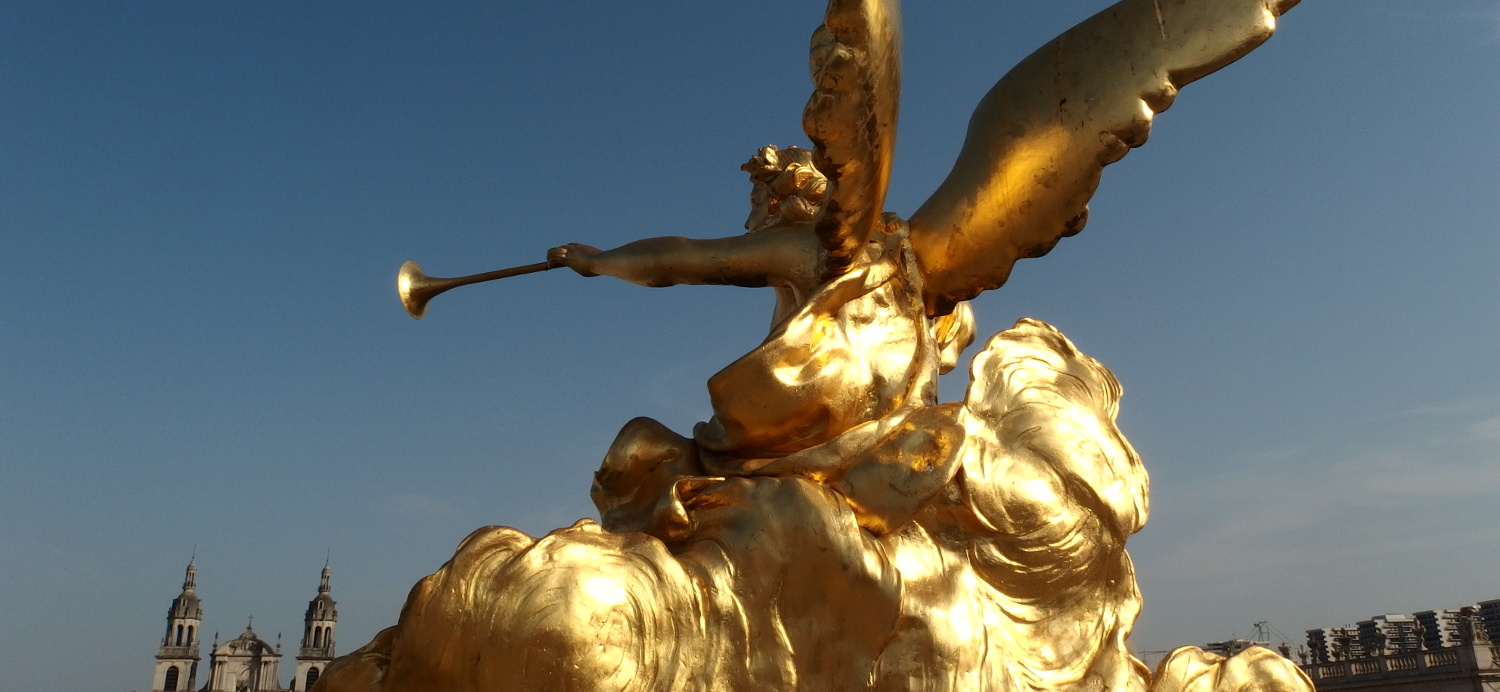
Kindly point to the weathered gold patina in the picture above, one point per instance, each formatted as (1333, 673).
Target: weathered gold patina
(832, 526)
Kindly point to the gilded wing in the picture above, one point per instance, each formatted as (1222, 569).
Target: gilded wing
(851, 119)
(1040, 139)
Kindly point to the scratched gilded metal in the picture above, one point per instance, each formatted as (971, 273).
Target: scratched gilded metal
(832, 526)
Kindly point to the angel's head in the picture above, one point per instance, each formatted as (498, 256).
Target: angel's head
(788, 188)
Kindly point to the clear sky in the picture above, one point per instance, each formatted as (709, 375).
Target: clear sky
(203, 206)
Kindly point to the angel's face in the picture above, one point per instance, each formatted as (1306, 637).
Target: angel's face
(764, 211)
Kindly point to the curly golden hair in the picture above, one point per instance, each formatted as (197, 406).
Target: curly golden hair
(789, 189)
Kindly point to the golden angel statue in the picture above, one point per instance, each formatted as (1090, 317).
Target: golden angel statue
(832, 526)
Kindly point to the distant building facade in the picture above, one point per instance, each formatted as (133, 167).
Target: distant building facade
(1489, 616)
(177, 658)
(316, 651)
(1449, 650)
(246, 663)
(1440, 628)
(1388, 634)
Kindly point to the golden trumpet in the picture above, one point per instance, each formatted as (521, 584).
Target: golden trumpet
(416, 288)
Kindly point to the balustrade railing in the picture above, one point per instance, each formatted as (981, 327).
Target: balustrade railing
(1484, 660)
(1328, 670)
(1441, 658)
(1365, 667)
(1402, 663)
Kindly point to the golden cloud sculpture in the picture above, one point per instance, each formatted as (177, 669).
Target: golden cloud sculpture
(833, 526)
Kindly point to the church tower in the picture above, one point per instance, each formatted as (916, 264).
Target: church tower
(177, 659)
(317, 637)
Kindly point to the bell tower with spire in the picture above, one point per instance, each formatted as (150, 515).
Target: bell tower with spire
(177, 658)
(317, 636)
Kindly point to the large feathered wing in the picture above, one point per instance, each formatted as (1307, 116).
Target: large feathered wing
(1040, 139)
(851, 119)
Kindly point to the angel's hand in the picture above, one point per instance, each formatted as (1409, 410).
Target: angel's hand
(575, 256)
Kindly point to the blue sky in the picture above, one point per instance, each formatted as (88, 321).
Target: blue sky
(203, 206)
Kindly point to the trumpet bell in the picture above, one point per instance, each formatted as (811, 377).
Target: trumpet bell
(413, 287)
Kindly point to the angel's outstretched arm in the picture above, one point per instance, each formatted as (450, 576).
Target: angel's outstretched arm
(778, 256)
